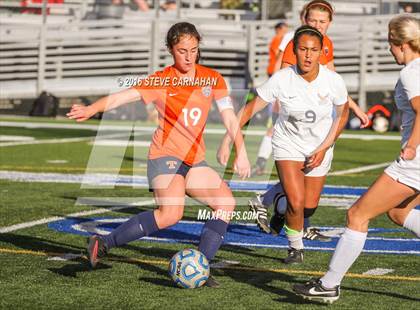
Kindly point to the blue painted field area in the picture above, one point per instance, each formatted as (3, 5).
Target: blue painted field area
(239, 234)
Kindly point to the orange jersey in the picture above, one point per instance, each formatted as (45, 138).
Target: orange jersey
(272, 52)
(183, 106)
(327, 54)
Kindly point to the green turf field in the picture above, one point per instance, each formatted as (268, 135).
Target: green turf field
(135, 276)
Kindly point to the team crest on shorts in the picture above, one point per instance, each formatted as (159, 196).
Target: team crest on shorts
(171, 164)
(206, 91)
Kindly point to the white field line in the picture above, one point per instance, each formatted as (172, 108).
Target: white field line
(218, 131)
(378, 271)
(107, 179)
(360, 169)
(47, 141)
(341, 203)
(65, 140)
(15, 227)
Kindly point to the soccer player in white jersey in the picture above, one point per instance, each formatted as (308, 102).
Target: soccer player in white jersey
(318, 14)
(396, 191)
(305, 131)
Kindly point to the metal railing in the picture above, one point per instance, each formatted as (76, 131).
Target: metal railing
(87, 57)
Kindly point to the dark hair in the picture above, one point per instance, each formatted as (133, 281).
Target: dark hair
(321, 5)
(306, 29)
(280, 25)
(178, 30)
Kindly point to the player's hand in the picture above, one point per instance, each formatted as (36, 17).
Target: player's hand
(315, 160)
(364, 118)
(408, 153)
(223, 153)
(80, 112)
(242, 166)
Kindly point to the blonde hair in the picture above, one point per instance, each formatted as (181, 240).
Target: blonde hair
(405, 28)
(320, 5)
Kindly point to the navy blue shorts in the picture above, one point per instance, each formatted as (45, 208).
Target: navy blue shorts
(168, 165)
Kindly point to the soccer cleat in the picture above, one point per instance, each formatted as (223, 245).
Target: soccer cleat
(96, 249)
(312, 233)
(261, 211)
(314, 290)
(212, 282)
(294, 256)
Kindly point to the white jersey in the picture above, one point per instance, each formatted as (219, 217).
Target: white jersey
(408, 87)
(307, 108)
(286, 39)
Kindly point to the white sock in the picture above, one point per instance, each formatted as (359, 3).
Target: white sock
(412, 222)
(295, 240)
(347, 251)
(265, 148)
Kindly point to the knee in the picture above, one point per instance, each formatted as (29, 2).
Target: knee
(296, 204)
(356, 217)
(224, 203)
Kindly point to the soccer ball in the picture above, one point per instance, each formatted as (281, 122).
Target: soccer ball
(380, 124)
(189, 268)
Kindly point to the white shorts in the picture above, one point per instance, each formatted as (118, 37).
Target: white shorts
(282, 153)
(406, 171)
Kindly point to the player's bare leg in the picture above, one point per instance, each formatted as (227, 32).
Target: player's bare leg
(293, 180)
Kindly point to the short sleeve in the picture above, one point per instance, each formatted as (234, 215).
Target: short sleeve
(286, 39)
(410, 79)
(330, 55)
(340, 95)
(148, 89)
(289, 56)
(270, 89)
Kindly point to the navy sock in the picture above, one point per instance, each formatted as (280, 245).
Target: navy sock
(140, 225)
(306, 222)
(212, 237)
(270, 195)
(307, 213)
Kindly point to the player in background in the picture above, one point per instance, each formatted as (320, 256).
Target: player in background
(274, 53)
(396, 191)
(176, 161)
(305, 131)
(318, 14)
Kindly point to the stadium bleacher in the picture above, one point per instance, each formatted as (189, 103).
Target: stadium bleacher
(69, 56)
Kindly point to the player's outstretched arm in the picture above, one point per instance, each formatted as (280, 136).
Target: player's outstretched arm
(342, 112)
(244, 115)
(82, 113)
(241, 165)
(362, 116)
(409, 150)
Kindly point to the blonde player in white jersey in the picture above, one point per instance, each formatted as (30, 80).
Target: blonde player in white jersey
(396, 191)
(305, 131)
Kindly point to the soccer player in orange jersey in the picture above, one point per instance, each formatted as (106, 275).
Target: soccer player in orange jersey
(183, 94)
(273, 51)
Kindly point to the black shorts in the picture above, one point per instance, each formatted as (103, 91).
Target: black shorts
(168, 165)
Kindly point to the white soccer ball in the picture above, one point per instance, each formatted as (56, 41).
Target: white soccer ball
(380, 124)
(189, 268)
